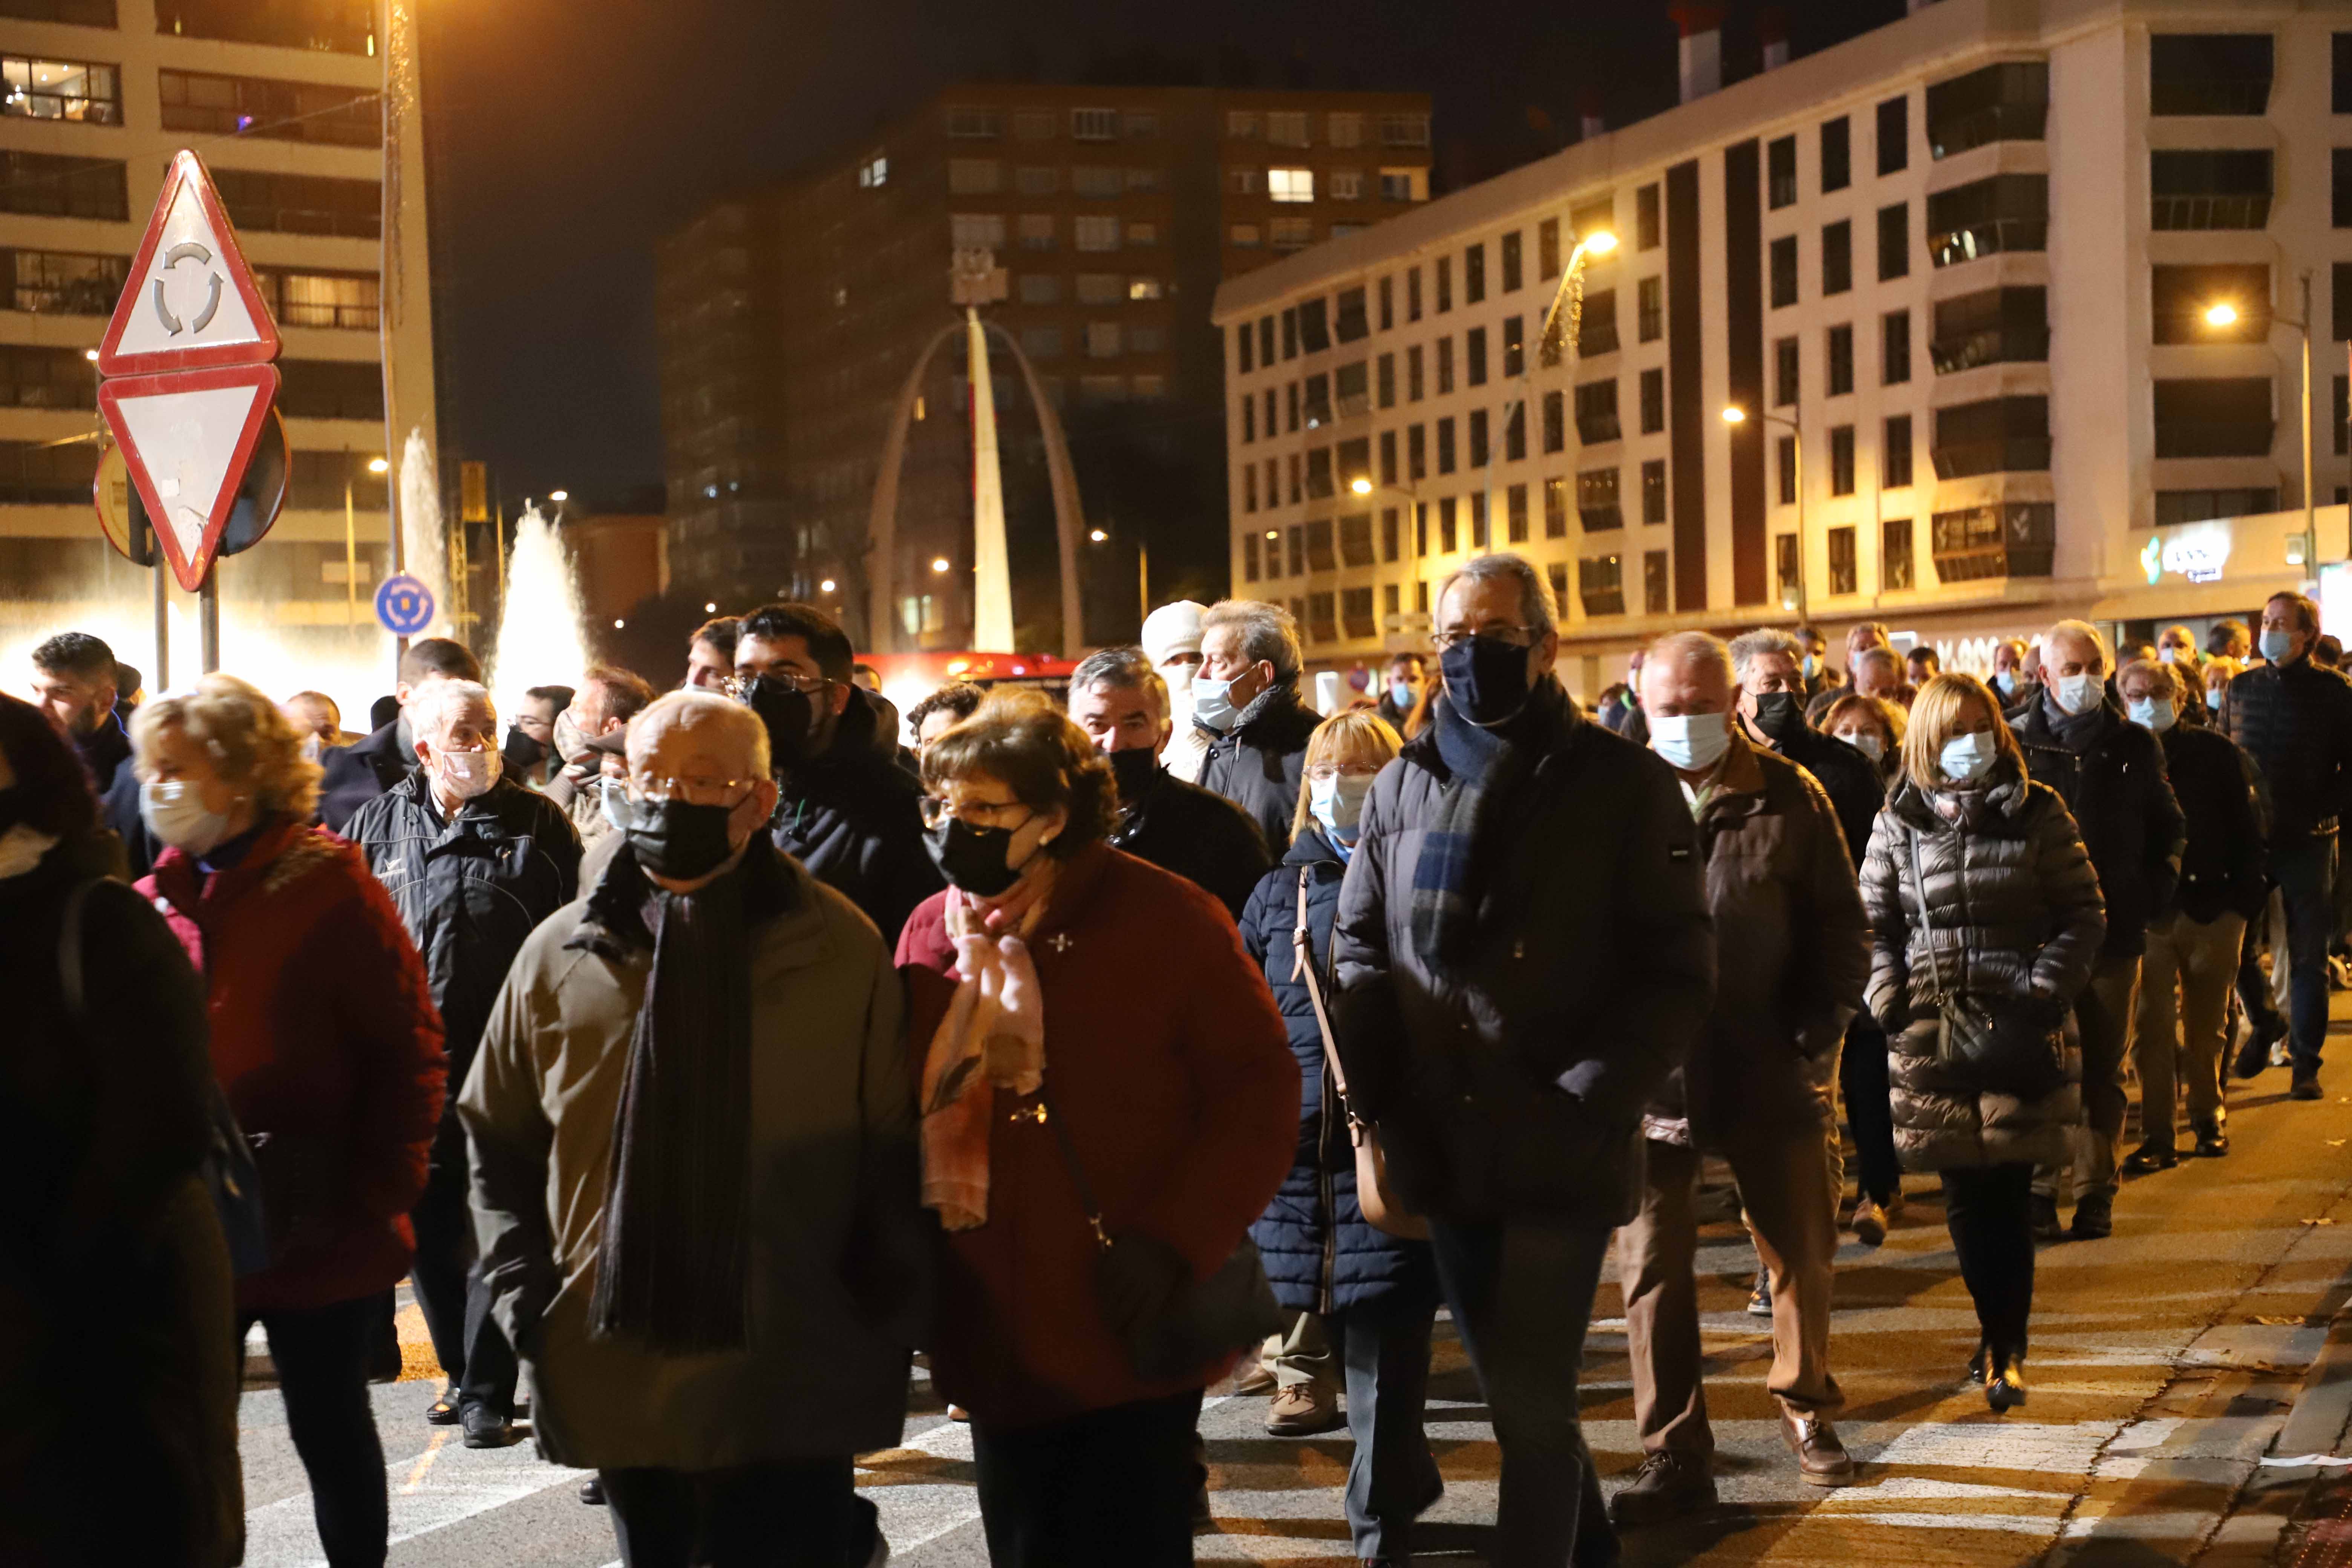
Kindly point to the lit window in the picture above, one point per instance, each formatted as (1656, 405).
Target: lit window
(1347, 185)
(61, 89)
(874, 174)
(1290, 184)
(345, 299)
(1245, 234)
(1092, 232)
(1287, 127)
(1143, 288)
(1094, 124)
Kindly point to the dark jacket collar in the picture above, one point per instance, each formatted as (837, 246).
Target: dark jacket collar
(1311, 846)
(615, 925)
(1552, 720)
(2007, 795)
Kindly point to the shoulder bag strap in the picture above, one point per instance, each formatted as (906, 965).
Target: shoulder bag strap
(1927, 925)
(1302, 940)
(1053, 1119)
(69, 965)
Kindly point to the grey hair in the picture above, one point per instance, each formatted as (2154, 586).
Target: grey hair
(2083, 631)
(1534, 594)
(1268, 634)
(1748, 646)
(1121, 669)
(1693, 647)
(692, 709)
(431, 703)
(1877, 655)
(2164, 674)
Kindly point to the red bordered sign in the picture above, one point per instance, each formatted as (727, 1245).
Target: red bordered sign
(190, 301)
(187, 439)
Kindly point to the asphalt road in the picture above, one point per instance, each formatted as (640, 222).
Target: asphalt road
(2165, 1360)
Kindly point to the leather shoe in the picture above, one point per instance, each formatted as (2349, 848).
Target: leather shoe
(2305, 1087)
(2148, 1158)
(442, 1412)
(2255, 1053)
(1667, 1486)
(592, 1492)
(2211, 1143)
(1302, 1410)
(485, 1428)
(1822, 1459)
(1257, 1379)
(1869, 1223)
(2006, 1392)
(2094, 1217)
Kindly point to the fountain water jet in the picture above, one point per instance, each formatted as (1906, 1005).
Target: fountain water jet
(423, 545)
(539, 640)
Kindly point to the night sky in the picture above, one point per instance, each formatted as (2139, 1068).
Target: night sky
(568, 138)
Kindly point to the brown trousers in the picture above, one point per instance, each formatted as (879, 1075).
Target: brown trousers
(2199, 961)
(1791, 1201)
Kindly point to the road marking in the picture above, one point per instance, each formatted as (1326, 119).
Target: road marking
(425, 1461)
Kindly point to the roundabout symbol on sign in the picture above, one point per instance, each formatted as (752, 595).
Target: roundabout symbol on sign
(403, 604)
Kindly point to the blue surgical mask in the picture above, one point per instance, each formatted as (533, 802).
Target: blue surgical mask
(2153, 713)
(1966, 757)
(2213, 697)
(2006, 679)
(1812, 666)
(1339, 805)
(1692, 742)
(2277, 644)
(1213, 704)
(1402, 695)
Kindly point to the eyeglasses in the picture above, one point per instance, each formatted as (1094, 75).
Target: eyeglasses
(691, 790)
(1325, 773)
(938, 813)
(1512, 637)
(739, 686)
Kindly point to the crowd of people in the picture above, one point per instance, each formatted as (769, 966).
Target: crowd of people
(706, 1056)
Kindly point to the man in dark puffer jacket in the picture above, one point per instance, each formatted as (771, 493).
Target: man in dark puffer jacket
(2192, 948)
(1247, 697)
(2111, 775)
(2294, 718)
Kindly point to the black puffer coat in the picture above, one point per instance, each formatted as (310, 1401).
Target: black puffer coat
(2295, 721)
(469, 890)
(2114, 784)
(2016, 913)
(1849, 778)
(854, 817)
(1321, 1254)
(1256, 763)
(2221, 870)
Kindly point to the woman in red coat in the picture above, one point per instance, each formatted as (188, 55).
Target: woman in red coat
(325, 1041)
(1057, 977)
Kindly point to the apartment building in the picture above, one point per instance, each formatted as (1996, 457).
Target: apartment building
(1960, 275)
(282, 102)
(789, 320)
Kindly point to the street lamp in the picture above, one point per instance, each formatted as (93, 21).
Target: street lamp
(2223, 313)
(1567, 296)
(938, 563)
(558, 497)
(826, 586)
(1735, 415)
(378, 465)
(1142, 571)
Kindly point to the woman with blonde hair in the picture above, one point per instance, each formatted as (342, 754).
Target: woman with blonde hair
(1106, 1105)
(325, 1041)
(1363, 1299)
(1986, 921)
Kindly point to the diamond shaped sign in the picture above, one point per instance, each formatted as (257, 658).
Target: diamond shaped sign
(190, 300)
(186, 439)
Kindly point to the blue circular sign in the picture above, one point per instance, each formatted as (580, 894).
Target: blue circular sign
(403, 604)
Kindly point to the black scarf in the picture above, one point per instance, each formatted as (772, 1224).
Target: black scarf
(675, 1249)
(1487, 767)
(2075, 732)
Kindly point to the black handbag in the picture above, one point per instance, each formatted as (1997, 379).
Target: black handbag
(2000, 1044)
(1205, 1321)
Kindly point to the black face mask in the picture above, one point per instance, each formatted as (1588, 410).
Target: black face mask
(522, 753)
(1778, 716)
(1135, 769)
(1487, 679)
(974, 858)
(679, 840)
(789, 717)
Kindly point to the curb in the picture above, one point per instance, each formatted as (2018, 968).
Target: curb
(2323, 1400)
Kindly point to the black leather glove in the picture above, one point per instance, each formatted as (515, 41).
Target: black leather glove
(1141, 1277)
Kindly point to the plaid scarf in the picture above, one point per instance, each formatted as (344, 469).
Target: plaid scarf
(676, 1248)
(1486, 767)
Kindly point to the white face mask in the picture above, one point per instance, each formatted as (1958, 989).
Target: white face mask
(1966, 757)
(1866, 742)
(2079, 693)
(467, 774)
(2156, 714)
(2213, 697)
(2006, 681)
(1692, 742)
(1179, 676)
(1339, 803)
(175, 811)
(1213, 704)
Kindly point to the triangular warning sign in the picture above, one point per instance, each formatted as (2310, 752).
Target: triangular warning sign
(190, 300)
(186, 439)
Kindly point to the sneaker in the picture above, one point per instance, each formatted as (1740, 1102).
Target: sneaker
(1759, 1299)
(1822, 1459)
(1667, 1486)
(1302, 1410)
(2044, 1210)
(1869, 1223)
(2094, 1217)
(485, 1428)
(2305, 1087)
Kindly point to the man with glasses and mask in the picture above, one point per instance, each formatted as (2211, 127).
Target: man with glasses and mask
(474, 862)
(846, 810)
(693, 1135)
(1524, 956)
(1767, 664)
(1246, 697)
(1121, 703)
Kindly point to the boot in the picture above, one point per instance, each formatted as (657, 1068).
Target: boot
(2045, 1218)
(2093, 1216)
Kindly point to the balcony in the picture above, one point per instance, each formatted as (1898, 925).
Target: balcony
(2215, 437)
(1596, 335)
(2209, 212)
(1998, 455)
(1994, 345)
(2017, 539)
(1953, 247)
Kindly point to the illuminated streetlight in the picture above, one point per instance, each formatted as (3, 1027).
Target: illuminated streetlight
(826, 586)
(1273, 533)
(558, 495)
(1098, 536)
(711, 608)
(2223, 314)
(1601, 242)
(1361, 486)
(1793, 600)
(1735, 415)
(90, 354)
(378, 465)
(618, 625)
(938, 563)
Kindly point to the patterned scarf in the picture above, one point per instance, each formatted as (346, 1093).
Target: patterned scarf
(1486, 769)
(994, 1036)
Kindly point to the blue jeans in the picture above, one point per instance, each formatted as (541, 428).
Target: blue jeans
(1392, 1478)
(2305, 875)
(1521, 1290)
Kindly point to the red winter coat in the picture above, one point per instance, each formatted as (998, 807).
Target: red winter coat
(1167, 1062)
(325, 1039)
